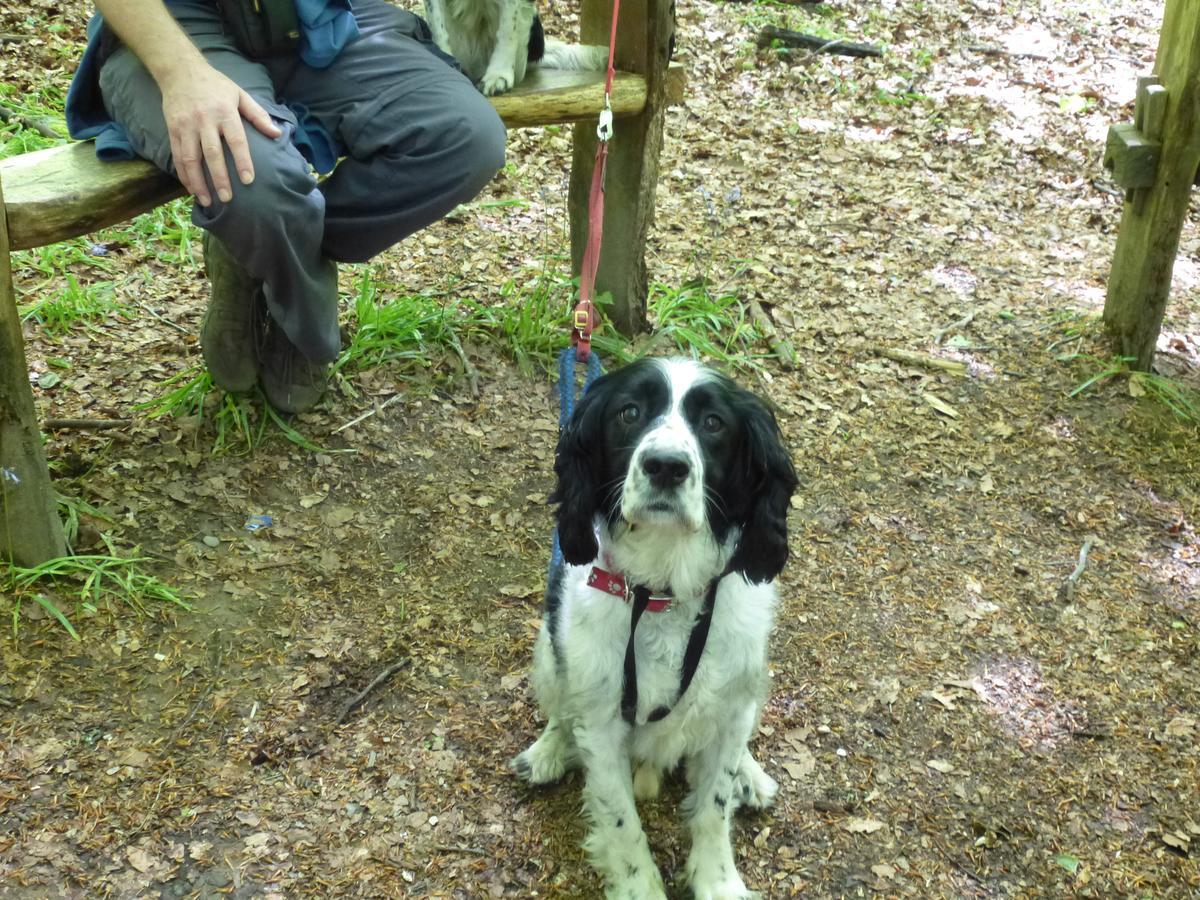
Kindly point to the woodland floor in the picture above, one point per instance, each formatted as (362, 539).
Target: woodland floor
(946, 718)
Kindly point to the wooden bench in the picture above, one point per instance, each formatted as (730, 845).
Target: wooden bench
(64, 192)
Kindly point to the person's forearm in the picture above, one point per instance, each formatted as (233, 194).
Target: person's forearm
(153, 35)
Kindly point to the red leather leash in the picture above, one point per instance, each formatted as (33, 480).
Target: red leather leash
(585, 318)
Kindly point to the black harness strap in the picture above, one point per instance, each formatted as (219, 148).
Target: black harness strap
(691, 656)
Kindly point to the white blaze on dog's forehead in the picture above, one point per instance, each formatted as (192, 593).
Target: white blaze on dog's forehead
(682, 375)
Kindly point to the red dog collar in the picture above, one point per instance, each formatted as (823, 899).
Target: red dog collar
(613, 583)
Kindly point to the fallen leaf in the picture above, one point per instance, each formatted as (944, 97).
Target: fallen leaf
(863, 826)
(940, 405)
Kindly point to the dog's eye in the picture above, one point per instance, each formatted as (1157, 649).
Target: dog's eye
(713, 424)
(630, 414)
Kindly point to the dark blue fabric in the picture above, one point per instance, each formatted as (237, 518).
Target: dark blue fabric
(326, 27)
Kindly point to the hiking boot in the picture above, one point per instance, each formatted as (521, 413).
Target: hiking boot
(229, 332)
(292, 383)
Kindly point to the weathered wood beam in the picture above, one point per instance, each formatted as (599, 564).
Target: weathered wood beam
(1140, 282)
(30, 532)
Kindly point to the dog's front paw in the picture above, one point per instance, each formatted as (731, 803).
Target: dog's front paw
(497, 82)
(753, 787)
(712, 879)
(639, 886)
(538, 765)
(725, 889)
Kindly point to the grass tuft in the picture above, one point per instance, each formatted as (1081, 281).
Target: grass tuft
(87, 582)
(57, 313)
(1182, 400)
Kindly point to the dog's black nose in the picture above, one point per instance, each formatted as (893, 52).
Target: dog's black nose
(666, 470)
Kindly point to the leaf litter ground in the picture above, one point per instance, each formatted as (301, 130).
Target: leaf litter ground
(951, 714)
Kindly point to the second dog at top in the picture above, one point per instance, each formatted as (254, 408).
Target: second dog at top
(496, 41)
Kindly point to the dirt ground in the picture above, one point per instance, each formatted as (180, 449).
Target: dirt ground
(950, 714)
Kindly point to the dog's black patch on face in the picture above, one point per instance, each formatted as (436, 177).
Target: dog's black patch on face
(634, 406)
(594, 452)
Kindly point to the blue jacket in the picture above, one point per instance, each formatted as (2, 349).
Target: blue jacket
(326, 26)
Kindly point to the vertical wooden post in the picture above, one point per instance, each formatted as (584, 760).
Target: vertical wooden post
(645, 32)
(30, 531)
(1140, 281)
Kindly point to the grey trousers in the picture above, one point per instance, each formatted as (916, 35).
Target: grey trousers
(419, 140)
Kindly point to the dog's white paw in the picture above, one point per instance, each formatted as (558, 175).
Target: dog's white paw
(641, 886)
(726, 889)
(497, 82)
(542, 762)
(646, 782)
(753, 787)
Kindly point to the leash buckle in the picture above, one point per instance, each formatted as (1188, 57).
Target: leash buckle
(584, 321)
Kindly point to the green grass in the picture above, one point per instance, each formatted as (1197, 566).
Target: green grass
(237, 425)
(700, 318)
(406, 329)
(1182, 400)
(165, 233)
(74, 304)
(69, 509)
(87, 582)
(44, 105)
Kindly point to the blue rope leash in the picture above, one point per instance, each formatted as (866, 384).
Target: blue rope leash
(567, 363)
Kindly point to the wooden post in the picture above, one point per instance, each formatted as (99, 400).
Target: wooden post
(1140, 281)
(645, 32)
(30, 531)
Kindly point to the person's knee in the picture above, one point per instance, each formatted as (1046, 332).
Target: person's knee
(488, 137)
(282, 190)
(476, 143)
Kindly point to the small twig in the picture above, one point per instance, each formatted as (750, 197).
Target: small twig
(770, 35)
(782, 348)
(203, 696)
(84, 424)
(366, 692)
(940, 334)
(11, 115)
(474, 851)
(370, 412)
(163, 318)
(908, 357)
(1093, 734)
(15, 38)
(992, 50)
(834, 806)
(1067, 591)
(468, 369)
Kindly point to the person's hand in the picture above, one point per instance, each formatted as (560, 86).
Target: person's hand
(204, 109)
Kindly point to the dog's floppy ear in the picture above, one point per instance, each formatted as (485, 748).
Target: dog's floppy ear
(769, 478)
(579, 465)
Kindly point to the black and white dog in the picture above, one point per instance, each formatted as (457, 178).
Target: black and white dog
(495, 41)
(673, 491)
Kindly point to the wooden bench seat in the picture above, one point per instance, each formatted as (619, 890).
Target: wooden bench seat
(64, 192)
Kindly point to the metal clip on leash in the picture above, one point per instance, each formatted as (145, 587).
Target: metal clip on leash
(604, 128)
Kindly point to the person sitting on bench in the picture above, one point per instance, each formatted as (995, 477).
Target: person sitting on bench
(241, 100)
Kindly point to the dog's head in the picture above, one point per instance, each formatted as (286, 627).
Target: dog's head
(671, 444)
